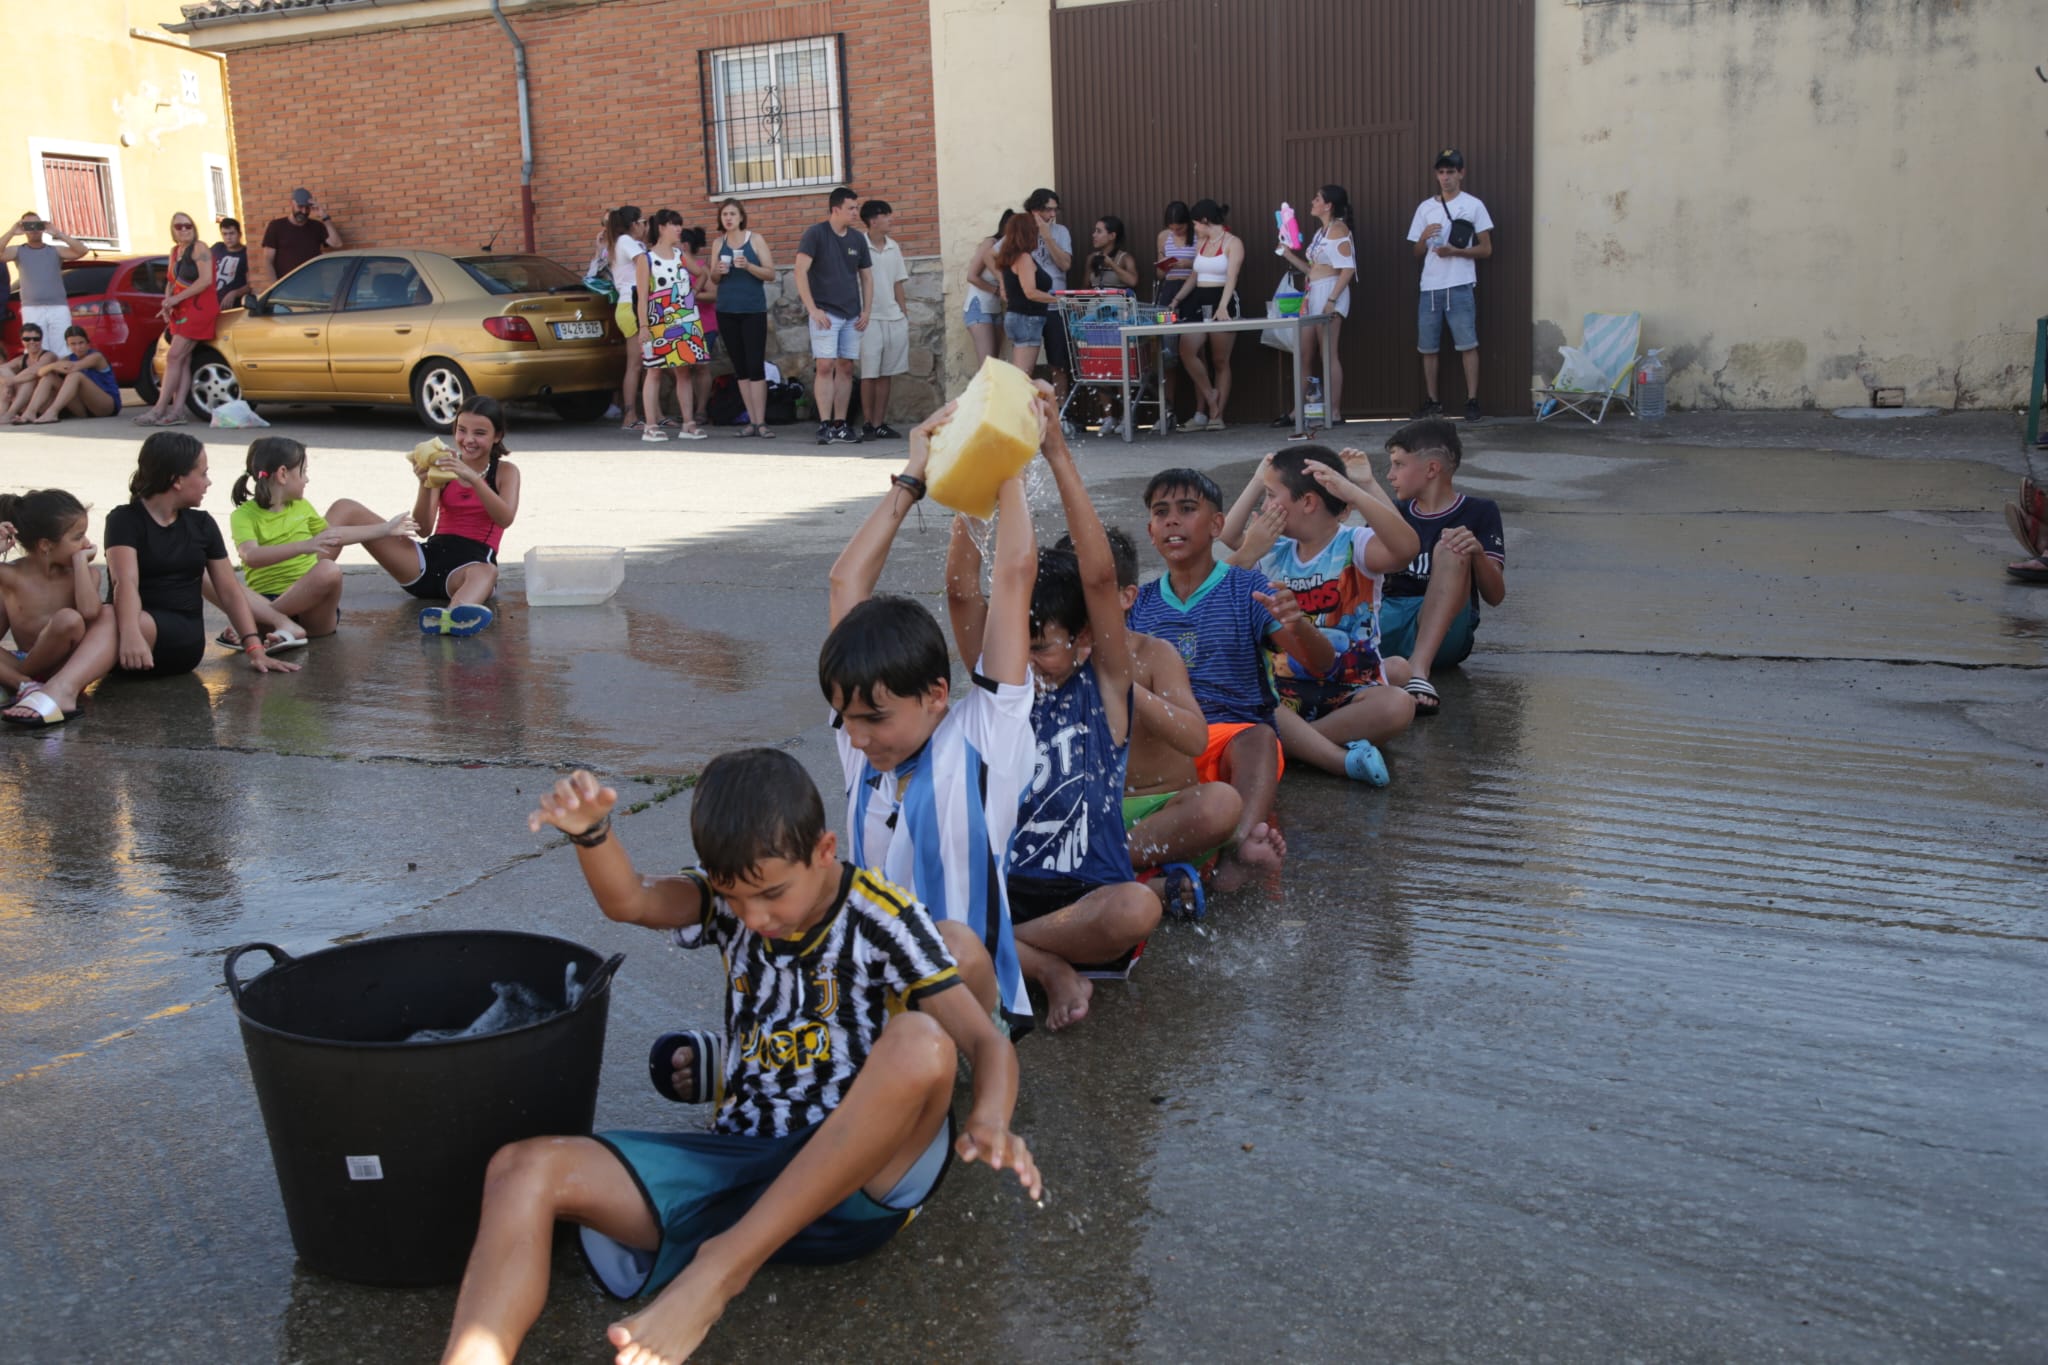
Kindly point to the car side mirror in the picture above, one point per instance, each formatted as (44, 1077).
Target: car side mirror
(257, 308)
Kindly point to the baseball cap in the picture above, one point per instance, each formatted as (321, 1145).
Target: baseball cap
(302, 196)
(1452, 157)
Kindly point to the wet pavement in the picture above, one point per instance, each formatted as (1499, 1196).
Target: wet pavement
(1685, 998)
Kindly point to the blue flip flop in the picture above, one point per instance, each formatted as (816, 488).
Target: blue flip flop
(466, 620)
(1189, 903)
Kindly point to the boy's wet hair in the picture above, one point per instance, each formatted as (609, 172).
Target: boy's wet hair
(1291, 465)
(165, 458)
(874, 209)
(1123, 553)
(1184, 481)
(1429, 436)
(1057, 598)
(752, 805)
(44, 515)
(886, 641)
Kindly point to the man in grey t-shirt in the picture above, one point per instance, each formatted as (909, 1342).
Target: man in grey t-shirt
(1055, 255)
(41, 267)
(834, 277)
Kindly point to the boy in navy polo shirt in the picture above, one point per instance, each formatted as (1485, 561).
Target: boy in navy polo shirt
(1429, 612)
(1220, 618)
(1074, 900)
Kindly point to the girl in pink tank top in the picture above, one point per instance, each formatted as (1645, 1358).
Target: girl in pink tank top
(458, 563)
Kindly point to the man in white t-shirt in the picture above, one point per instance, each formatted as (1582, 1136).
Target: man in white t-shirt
(1451, 229)
(885, 345)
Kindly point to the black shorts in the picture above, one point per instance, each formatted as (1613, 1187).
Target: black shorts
(1036, 897)
(180, 644)
(442, 555)
(746, 341)
(1057, 356)
(1200, 297)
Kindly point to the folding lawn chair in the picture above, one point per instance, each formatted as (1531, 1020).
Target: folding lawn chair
(1611, 342)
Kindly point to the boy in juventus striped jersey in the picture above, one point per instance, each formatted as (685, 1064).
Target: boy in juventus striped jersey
(933, 777)
(841, 1027)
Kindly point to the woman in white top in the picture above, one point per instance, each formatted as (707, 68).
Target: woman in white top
(627, 227)
(984, 311)
(1329, 263)
(1210, 292)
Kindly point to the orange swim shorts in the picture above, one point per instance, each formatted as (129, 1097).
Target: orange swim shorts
(1210, 765)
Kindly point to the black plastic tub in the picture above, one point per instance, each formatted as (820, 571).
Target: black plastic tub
(380, 1145)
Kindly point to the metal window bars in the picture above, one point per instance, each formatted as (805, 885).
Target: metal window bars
(81, 194)
(776, 114)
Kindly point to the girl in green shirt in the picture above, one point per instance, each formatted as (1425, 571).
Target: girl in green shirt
(288, 550)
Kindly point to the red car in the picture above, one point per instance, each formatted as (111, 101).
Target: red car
(116, 301)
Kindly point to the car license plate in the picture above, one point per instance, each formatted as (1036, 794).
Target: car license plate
(578, 331)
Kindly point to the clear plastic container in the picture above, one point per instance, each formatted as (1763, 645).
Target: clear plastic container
(1650, 379)
(573, 575)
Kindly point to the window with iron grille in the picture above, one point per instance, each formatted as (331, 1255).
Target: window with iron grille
(776, 113)
(81, 194)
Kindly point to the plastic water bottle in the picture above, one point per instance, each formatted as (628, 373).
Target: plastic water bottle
(1312, 407)
(1650, 377)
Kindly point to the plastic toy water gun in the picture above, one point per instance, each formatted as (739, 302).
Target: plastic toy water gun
(1290, 229)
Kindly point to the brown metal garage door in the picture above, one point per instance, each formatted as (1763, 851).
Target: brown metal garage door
(1251, 102)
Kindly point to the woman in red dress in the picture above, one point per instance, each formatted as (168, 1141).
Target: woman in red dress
(190, 307)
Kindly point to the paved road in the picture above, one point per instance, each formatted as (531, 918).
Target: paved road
(1682, 999)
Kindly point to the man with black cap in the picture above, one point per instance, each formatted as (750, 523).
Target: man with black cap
(304, 232)
(1451, 229)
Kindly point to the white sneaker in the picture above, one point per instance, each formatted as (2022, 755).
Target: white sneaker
(1199, 422)
(654, 433)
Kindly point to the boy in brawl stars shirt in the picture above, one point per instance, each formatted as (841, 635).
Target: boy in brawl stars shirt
(1334, 719)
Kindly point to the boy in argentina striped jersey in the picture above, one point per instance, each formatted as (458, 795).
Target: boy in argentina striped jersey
(842, 1024)
(933, 775)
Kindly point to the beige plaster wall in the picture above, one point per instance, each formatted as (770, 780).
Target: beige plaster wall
(1805, 199)
(84, 84)
(992, 110)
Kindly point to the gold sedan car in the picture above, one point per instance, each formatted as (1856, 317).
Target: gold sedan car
(418, 328)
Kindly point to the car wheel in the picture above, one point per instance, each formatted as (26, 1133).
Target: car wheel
(580, 407)
(439, 389)
(146, 387)
(213, 384)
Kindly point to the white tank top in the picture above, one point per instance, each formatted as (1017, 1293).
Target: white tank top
(1211, 272)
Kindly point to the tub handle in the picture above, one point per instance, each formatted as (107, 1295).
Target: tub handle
(278, 958)
(602, 975)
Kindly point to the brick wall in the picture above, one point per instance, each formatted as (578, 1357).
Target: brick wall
(410, 137)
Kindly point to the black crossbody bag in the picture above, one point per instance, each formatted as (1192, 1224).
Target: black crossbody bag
(1461, 233)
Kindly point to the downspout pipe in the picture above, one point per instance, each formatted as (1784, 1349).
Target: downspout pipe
(525, 127)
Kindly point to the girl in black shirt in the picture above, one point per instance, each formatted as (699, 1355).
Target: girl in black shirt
(159, 546)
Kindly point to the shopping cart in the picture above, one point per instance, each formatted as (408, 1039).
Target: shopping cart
(1104, 358)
